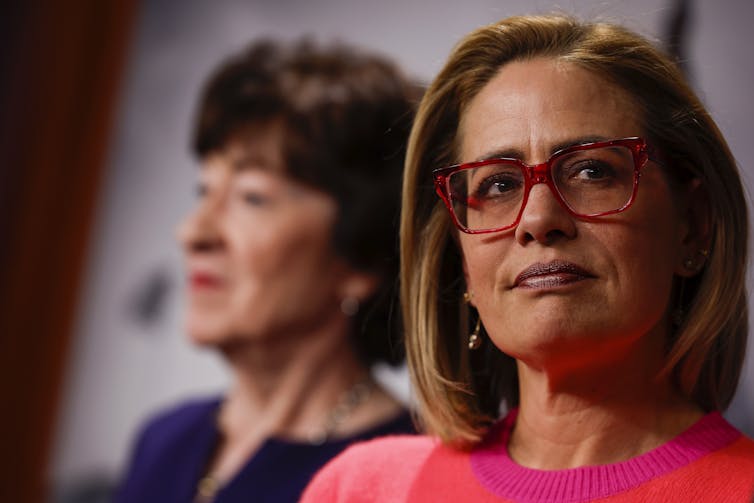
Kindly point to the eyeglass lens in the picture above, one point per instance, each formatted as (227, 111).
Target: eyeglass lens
(589, 181)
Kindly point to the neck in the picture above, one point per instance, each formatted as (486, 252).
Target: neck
(287, 387)
(284, 385)
(597, 414)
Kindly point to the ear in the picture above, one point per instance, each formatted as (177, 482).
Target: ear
(695, 237)
(359, 285)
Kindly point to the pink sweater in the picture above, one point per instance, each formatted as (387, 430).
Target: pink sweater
(709, 462)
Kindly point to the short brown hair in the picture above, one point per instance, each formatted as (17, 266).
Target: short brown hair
(345, 115)
(460, 393)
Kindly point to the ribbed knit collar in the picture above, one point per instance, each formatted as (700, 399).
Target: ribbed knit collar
(502, 476)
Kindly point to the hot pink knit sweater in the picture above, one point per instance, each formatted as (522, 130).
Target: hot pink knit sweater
(709, 462)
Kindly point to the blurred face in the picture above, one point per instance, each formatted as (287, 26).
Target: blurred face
(258, 248)
(557, 289)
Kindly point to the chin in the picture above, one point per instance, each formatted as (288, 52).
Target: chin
(550, 340)
(207, 332)
(204, 340)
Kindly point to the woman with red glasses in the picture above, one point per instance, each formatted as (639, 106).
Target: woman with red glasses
(574, 299)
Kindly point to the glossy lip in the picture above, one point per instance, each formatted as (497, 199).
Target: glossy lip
(542, 275)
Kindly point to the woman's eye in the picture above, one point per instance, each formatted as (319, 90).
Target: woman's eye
(495, 186)
(255, 198)
(591, 170)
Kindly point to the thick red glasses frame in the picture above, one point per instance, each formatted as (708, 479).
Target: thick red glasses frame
(542, 173)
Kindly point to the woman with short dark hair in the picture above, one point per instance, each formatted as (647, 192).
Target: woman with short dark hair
(291, 256)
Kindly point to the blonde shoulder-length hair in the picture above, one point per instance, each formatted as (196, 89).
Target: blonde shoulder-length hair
(460, 392)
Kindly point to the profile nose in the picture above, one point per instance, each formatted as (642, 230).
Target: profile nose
(543, 218)
(200, 230)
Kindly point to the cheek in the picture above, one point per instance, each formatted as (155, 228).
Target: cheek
(278, 280)
(484, 260)
(282, 261)
(258, 255)
(639, 264)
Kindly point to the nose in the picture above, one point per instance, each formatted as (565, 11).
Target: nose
(543, 218)
(200, 230)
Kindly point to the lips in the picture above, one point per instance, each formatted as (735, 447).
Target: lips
(202, 280)
(550, 275)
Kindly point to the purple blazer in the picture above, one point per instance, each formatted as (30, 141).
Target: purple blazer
(171, 453)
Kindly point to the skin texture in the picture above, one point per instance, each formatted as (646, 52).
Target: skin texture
(588, 346)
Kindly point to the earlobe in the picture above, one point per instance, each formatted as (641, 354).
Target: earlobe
(359, 286)
(694, 263)
(696, 238)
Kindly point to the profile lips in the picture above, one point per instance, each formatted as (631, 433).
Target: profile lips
(204, 280)
(551, 268)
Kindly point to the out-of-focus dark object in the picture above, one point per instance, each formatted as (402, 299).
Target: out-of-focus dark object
(61, 64)
(147, 306)
(677, 33)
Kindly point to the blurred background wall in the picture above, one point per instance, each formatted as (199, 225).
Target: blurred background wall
(60, 71)
(129, 357)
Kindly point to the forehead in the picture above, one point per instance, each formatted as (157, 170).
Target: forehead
(531, 106)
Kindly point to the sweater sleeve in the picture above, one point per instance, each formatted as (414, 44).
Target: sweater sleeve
(369, 472)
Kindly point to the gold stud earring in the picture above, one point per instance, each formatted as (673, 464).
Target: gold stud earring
(475, 342)
(467, 297)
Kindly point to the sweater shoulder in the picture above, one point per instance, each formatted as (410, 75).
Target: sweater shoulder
(385, 449)
(366, 471)
(746, 444)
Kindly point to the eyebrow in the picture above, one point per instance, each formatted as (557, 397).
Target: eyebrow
(253, 162)
(515, 153)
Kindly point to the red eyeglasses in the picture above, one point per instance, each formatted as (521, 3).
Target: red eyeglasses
(589, 180)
